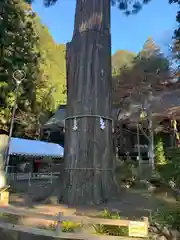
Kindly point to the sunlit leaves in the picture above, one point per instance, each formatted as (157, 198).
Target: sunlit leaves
(144, 73)
(16, 52)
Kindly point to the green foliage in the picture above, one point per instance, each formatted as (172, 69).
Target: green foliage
(70, 226)
(129, 8)
(108, 229)
(127, 171)
(121, 59)
(171, 170)
(147, 70)
(160, 153)
(28, 46)
(66, 226)
(18, 51)
(169, 217)
(152, 59)
(5, 217)
(53, 65)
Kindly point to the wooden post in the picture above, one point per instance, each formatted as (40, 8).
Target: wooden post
(89, 93)
(4, 196)
(29, 179)
(58, 227)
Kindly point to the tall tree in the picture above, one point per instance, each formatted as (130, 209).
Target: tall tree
(88, 149)
(53, 63)
(27, 45)
(121, 59)
(148, 71)
(17, 41)
(88, 145)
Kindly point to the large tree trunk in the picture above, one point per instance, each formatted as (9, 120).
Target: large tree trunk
(89, 149)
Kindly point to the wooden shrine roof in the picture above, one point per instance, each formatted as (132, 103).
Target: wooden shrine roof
(165, 105)
(124, 89)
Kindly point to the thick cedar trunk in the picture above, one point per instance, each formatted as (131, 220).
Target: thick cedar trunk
(89, 149)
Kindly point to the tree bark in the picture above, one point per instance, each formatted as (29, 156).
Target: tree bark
(89, 149)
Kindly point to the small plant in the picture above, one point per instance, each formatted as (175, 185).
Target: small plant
(165, 222)
(5, 217)
(126, 173)
(170, 171)
(52, 226)
(66, 226)
(70, 226)
(160, 153)
(110, 229)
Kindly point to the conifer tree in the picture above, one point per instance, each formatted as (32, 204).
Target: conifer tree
(26, 44)
(88, 141)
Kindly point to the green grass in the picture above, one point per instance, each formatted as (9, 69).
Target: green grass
(13, 219)
(110, 229)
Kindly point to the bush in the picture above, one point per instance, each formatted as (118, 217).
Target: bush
(127, 171)
(170, 171)
(160, 153)
(165, 222)
(66, 226)
(70, 226)
(6, 217)
(108, 229)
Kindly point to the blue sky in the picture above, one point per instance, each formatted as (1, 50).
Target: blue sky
(157, 19)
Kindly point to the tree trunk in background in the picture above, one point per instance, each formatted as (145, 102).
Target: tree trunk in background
(89, 149)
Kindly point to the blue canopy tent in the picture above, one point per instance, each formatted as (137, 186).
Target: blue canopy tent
(23, 152)
(26, 147)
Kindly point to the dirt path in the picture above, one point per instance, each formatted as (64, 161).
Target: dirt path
(129, 204)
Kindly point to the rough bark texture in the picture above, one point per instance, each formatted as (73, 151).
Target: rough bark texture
(89, 93)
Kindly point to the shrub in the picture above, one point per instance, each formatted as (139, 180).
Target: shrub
(170, 171)
(70, 226)
(127, 171)
(66, 226)
(160, 153)
(165, 222)
(108, 229)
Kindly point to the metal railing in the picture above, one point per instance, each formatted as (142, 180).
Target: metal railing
(13, 177)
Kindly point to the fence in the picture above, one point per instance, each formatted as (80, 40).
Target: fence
(13, 176)
(136, 229)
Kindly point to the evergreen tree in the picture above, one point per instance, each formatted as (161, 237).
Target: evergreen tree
(53, 63)
(146, 72)
(89, 150)
(121, 59)
(159, 152)
(153, 64)
(17, 41)
(26, 44)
